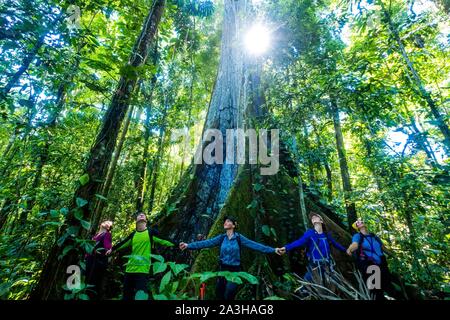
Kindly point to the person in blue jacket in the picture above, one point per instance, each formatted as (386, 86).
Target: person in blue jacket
(317, 240)
(230, 254)
(369, 251)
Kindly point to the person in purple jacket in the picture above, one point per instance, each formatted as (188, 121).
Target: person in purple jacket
(317, 240)
(97, 260)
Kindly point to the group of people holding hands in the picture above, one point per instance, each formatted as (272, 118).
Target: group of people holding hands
(367, 248)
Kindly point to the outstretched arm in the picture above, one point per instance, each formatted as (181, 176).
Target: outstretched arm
(124, 243)
(255, 245)
(208, 243)
(354, 245)
(299, 242)
(336, 244)
(163, 242)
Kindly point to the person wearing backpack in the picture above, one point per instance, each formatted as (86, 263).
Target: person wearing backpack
(318, 242)
(230, 244)
(97, 261)
(369, 251)
(139, 261)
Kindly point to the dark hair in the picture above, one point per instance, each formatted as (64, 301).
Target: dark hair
(312, 214)
(231, 218)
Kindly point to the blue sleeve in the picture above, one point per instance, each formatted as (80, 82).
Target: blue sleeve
(255, 245)
(355, 238)
(209, 243)
(299, 242)
(336, 244)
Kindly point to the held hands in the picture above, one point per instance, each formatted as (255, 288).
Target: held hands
(280, 251)
(183, 245)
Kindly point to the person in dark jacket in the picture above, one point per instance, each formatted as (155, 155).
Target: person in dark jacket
(318, 241)
(369, 251)
(97, 261)
(230, 254)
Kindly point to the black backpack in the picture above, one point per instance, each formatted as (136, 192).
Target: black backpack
(361, 255)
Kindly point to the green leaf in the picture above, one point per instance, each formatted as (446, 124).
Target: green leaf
(78, 213)
(160, 297)
(273, 298)
(253, 204)
(141, 295)
(204, 276)
(54, 213)
(164, 281)
(233, 277)
(66, 250)
(62, 239)
(266, 230)
(273, 232)
(81, 202)
(177, 268)
(159, 267)
(73, 230)
(249, 277)
(85, 224)
(257, 186)
(83, 296)
(158, 257)
(84, 179)
(174, 286)
(101, 197)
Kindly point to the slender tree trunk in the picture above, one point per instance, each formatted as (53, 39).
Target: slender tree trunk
(140, 182)
(112, 168)
(346, 184)
(312, 177)
(416, 80)
(156, 166)
(54, 270)
(301, 194)
(325, 164)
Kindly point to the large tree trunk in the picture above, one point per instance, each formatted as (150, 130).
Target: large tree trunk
(54, 271)
(200, 204)
(346, 184)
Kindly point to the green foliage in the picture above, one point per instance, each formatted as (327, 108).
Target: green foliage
(322, 50)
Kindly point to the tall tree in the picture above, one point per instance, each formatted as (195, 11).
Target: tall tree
(54, 271)
(212, 182)
(343, 164)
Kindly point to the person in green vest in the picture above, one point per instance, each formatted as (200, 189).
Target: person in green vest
(138, 265)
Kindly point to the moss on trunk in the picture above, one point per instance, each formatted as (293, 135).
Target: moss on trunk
(281, 205)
